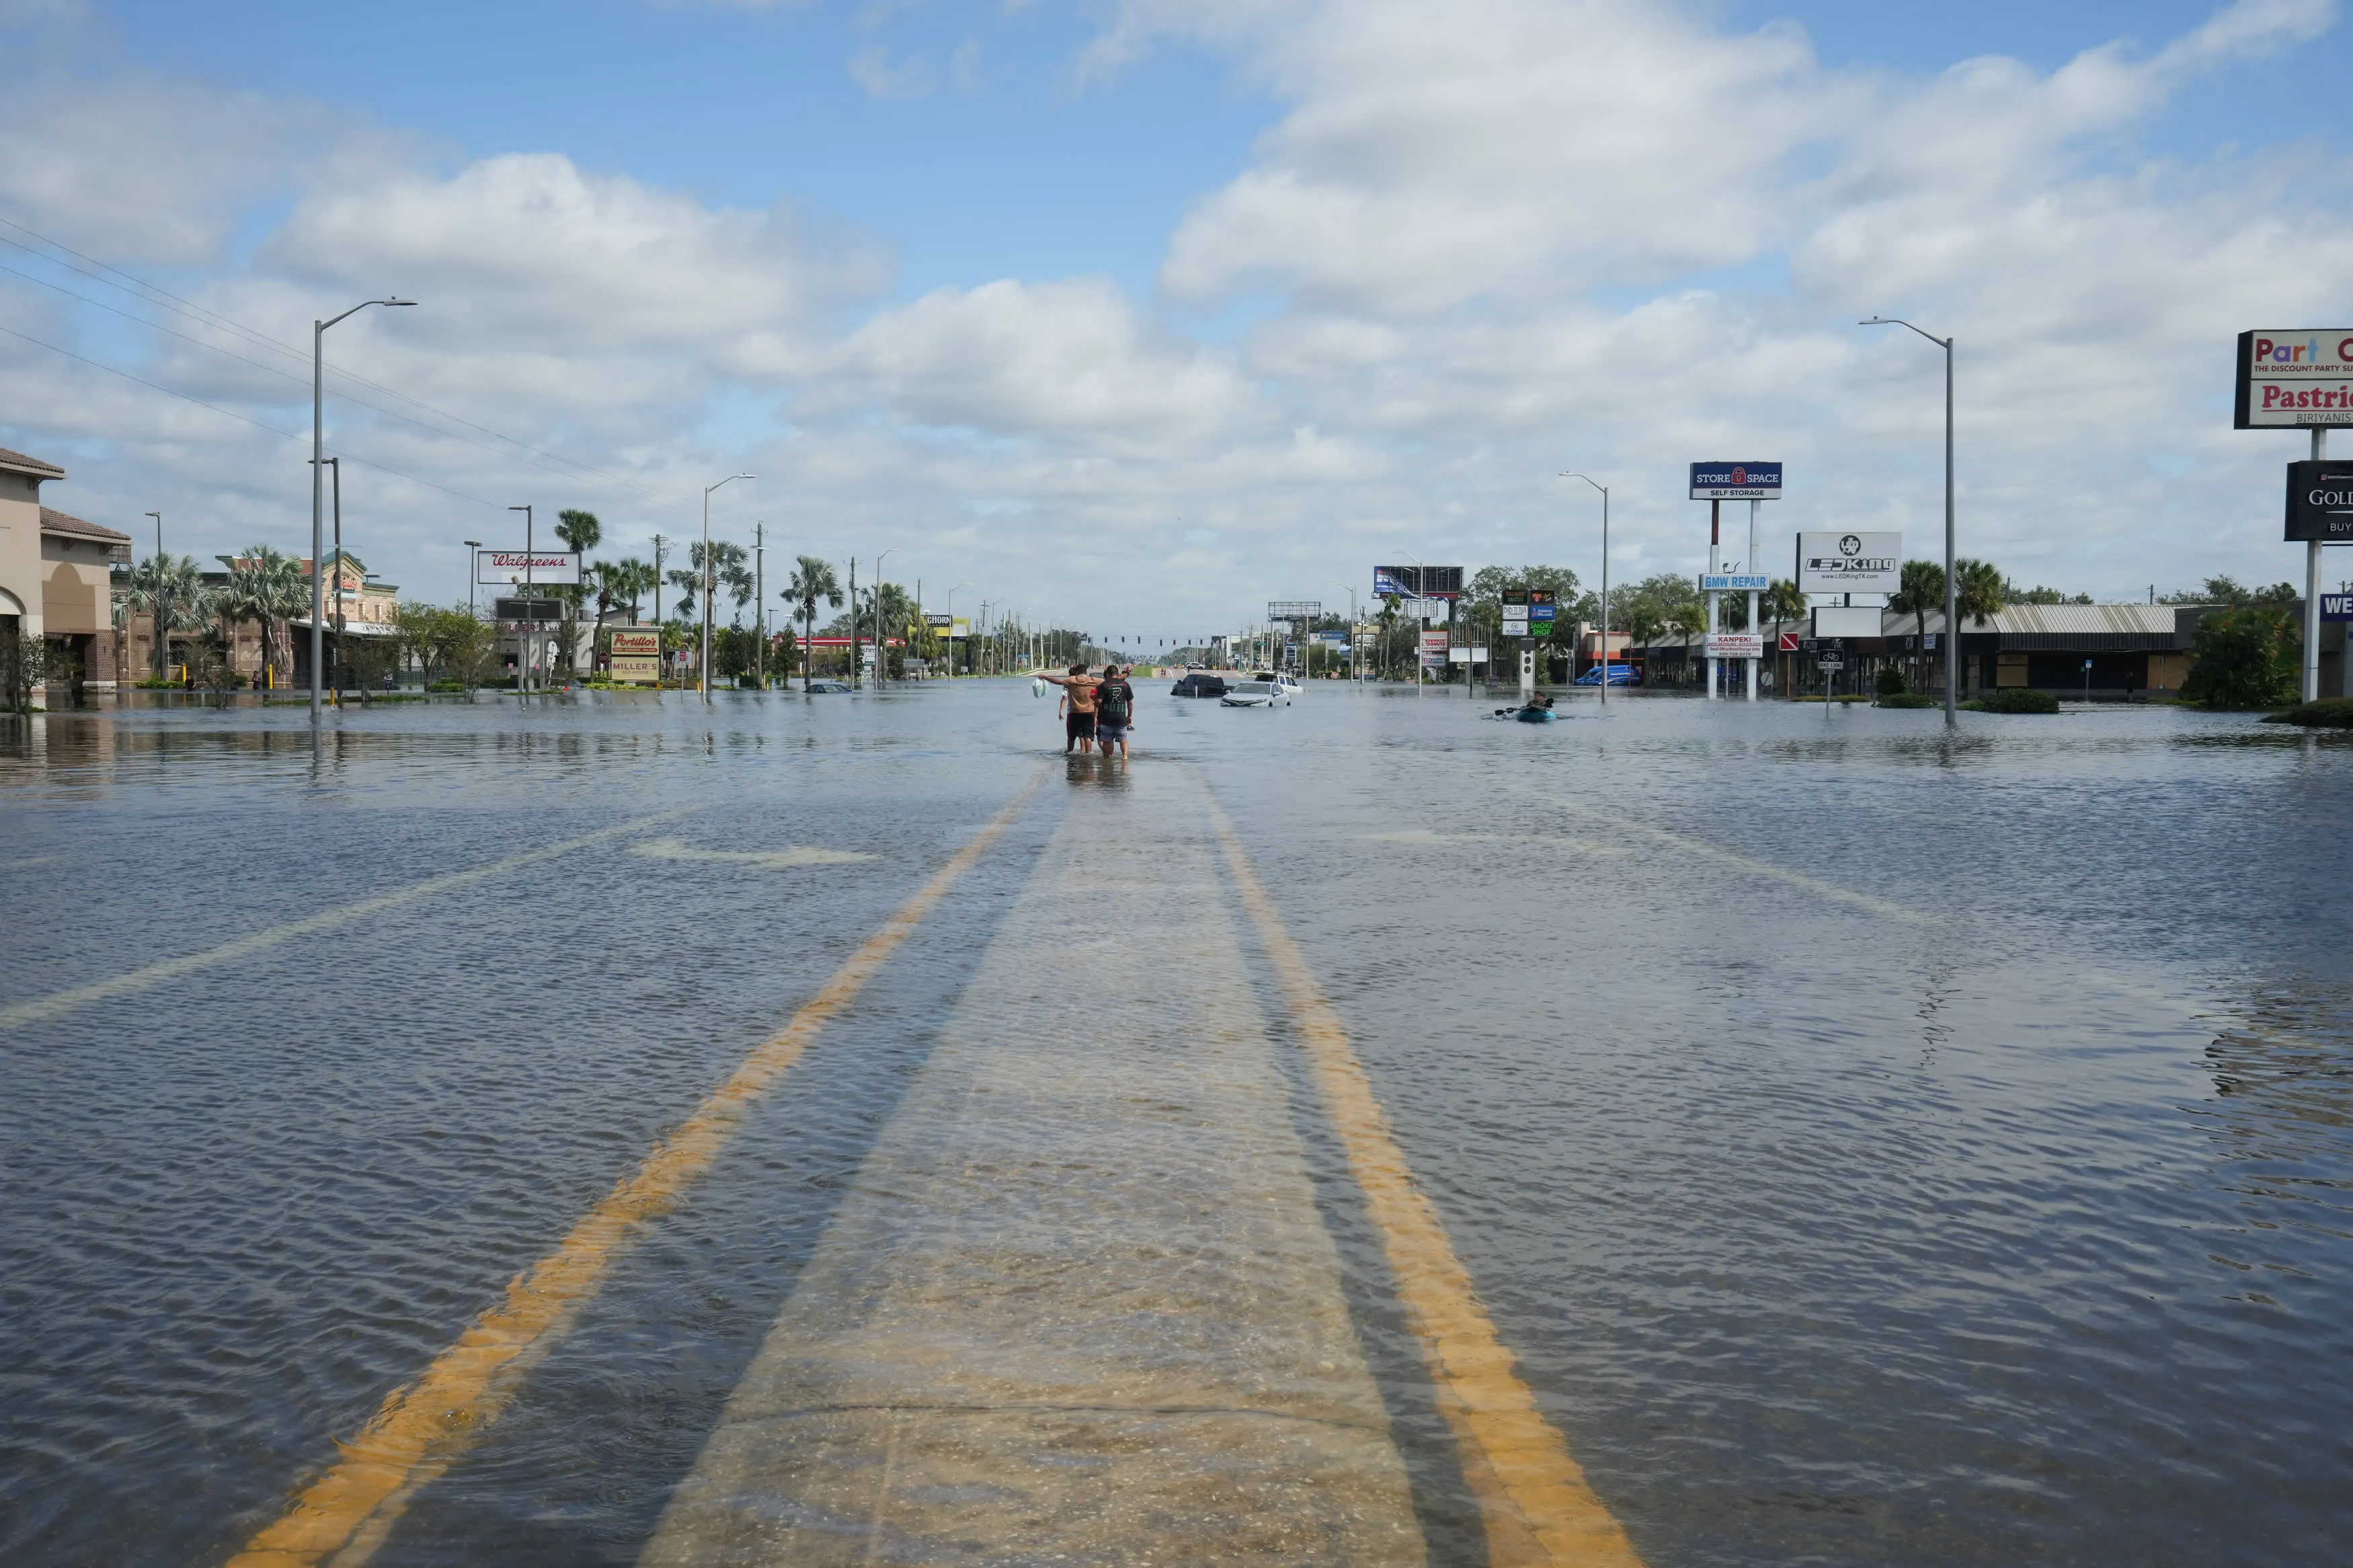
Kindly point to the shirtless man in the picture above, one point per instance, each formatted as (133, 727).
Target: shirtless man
(1077, 708)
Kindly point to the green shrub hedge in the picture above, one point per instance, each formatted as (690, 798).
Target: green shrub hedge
(2015, 700)
(2328, 713)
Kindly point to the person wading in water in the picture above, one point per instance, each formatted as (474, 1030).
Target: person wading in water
(1115, 711)
(1077, 708)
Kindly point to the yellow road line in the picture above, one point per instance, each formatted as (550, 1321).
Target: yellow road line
(58, 1002)
(419, 1427)
(1887, 908)
(1533, 1497)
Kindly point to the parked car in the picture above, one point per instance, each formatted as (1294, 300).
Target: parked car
(1198, 685)
(1619, 675)
(1256, 694)
(819, 687)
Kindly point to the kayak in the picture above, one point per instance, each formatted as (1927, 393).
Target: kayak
(1533, 715)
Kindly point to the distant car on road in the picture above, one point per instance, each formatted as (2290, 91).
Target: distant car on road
(818, 688)
(1619, 675)
(1256, 694)
(1198, 685)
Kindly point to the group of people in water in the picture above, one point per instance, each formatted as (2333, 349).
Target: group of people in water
(1096, 710)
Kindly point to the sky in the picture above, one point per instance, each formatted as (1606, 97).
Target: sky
(1132, 315)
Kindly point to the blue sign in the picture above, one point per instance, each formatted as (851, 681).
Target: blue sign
(1735, 481)
(2337, 606)
(1544, 612)
(1402, 581)
(1734, 583)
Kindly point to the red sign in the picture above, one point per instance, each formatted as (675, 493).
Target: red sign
(1789, 642)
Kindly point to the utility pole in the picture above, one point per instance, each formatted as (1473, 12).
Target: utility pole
(523, 643)
(760, 602)
(660, 658)
(471, 545)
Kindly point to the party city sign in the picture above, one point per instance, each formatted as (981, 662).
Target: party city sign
(2294, 376)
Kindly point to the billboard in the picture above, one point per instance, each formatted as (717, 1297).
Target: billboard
(2294, 376)
(501, 567)
(1735, 481)
(1418, 582)
(1835, 563)
(637, 641)
(2320, 502)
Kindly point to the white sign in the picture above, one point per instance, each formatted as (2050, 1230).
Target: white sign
(1736, 645)
(1515, 626)
(1847, 621)
(1466, 656)
(1850, 562)
(2294, 376)
(1734, 583)
(504, 566)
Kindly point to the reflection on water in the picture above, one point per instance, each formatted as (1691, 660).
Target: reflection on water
(1875, 1147)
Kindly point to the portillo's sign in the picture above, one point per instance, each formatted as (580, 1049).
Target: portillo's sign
(2290, 378)
(2320, 502)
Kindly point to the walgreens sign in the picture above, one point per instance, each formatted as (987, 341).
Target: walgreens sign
(505, 566)
(2294, 376)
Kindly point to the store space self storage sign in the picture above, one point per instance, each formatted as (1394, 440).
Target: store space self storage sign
(2294, 376)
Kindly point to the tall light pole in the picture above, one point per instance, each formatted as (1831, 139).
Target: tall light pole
(1952, 588)
(760, 603)
(159, 529)
(471, 545)
(523, 642)
(952, 637)
(1605, 585)
(707, 575)
(878, 617)
(317, 487)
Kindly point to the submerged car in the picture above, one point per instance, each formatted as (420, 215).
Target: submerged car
(818, 688)
(1256, 694)
(1198, 684)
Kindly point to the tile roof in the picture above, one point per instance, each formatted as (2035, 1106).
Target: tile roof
(56, 521)
(16, 462)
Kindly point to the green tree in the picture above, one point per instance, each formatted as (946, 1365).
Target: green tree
(173, 595)
(1920, 588)
(1977, 591)
(812, 579)
(1782, 602)
(2246, 656)
(267, 585)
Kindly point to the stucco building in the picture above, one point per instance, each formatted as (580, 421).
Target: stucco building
(57, 573)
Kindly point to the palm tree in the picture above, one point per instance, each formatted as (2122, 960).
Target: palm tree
(1782, 602)
(173, 595)
(1977, 590)
(580, 531)
(268, 586)
(812, 579)
(1920, 588)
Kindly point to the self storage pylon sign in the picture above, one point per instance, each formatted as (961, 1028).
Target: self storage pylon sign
(2290, 378)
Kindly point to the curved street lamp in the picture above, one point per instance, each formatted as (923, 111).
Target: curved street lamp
(1605, 585)
(317, 487)
(707, 579)
(1952, 589)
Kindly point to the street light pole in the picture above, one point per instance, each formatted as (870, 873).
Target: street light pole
(522, 639)
(952, 637)
(471, 545)
(1605, 585)
(707, 578)
(1952, 589)
(317, 487)
(760, 603)
(878, 616)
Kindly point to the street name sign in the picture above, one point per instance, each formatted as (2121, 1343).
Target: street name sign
(1736, 645)
(1735, 481)
(2295, 376)
(1837, 563)
(2320, 501)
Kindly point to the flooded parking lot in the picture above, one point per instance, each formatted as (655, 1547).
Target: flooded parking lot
(1868, 1146)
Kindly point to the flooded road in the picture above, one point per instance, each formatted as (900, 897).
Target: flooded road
(1868, 1148)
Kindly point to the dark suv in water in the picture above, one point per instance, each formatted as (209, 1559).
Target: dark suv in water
(1200, 683)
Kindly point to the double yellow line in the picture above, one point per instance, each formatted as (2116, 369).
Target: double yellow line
(1534, 1503)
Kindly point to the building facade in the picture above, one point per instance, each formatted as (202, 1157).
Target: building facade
(56, 576)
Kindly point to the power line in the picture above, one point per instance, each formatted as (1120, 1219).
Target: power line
(165, 300)
(289, 435)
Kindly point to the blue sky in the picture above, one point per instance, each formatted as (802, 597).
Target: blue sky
(1013, 286)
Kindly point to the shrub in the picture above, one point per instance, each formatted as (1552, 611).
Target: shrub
(2246, 657)
(2015, 700)
(1891, 681)
(2328, 713)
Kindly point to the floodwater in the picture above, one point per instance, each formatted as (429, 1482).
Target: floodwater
(1872, 1148)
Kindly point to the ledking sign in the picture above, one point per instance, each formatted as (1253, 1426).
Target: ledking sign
(2294, 376)
(1850, 562)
